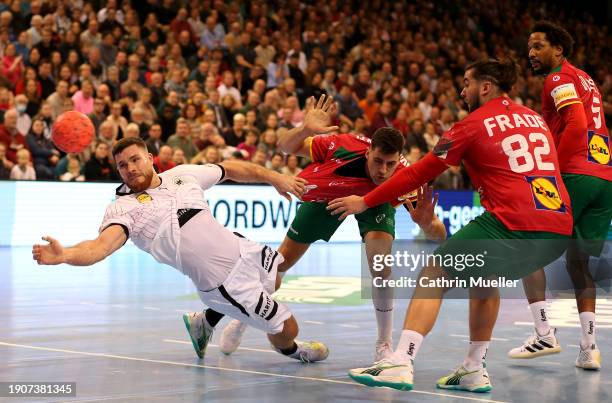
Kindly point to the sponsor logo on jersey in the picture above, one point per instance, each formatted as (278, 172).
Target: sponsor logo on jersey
(336, 183)
(308, 188)
(562, 93)
(599, 148)
(556, 78)
(144, 197)
(546, 195)
(177, 181)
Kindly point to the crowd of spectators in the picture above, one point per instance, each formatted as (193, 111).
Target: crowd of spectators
(206, 81)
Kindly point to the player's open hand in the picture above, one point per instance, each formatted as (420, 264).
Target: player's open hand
(346, 206)
(425, 206)
(51, 253)
(286, 185)
(318, 115)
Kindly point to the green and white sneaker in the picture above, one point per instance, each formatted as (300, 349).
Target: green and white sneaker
(199, 331)
(385, 373)
(461, 379)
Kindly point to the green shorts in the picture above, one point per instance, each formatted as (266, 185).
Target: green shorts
(592, 209)
(497, 251)
(313, 222)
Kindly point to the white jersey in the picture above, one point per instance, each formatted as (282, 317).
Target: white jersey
(204, 250)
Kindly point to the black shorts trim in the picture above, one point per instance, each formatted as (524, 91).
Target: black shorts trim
(232, 301)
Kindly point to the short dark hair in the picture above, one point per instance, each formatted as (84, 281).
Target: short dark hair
(501, 73)
(388, 140)
(556, 35)
(127, 142)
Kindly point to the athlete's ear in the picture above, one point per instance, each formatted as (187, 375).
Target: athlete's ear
(558, 51)
(367, 154)
(485, 88)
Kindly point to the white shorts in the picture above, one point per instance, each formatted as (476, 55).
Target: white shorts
(246, 292)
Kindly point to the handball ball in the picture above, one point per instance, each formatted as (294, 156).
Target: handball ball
(72, 132)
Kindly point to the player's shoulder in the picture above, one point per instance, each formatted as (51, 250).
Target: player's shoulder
(567, 74)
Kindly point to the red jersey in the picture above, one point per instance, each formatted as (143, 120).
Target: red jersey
(509, 153)
(338, 167)
(568, 85)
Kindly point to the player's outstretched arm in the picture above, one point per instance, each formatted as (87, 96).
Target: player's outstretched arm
(317, 118)
(247, 172)
(424, 214)
(84, 253)
(406, 180)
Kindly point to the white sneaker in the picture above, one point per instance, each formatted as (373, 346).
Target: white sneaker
(589, 358)
(385, 373)
(384, 349)
(536, 346)
(199, 331)
(231, 336)
(476, 380)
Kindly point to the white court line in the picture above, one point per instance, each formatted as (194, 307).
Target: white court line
(349, 326)
(181, 310)
(573, 345)
(216, 345)
(313, 322)
(151, 308)
(465, 336)
(118, 306)
(244, 371)
(86, 303)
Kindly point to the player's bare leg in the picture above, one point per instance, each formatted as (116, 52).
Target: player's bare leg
(544, 340)
(472, 374)
(396, 371)
(589, 356)
(381, 243)
(291, 251)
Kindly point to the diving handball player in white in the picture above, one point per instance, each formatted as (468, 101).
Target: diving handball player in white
(167, 216)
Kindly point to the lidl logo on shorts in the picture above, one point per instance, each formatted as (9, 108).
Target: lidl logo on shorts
(144, 198)
(546, 194)
(599, 149)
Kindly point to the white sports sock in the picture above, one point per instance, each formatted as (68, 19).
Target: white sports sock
(540, 318)
(408, 347)
(476, 355)
(587, 320)
(382, 298)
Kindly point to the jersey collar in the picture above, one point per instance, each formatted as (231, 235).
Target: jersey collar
(124, 190)
(558, 68)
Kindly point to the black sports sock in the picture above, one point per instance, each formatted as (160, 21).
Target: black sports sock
(213, 317)
(290, 350)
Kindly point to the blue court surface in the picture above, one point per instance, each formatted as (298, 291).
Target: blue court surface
(116, 330)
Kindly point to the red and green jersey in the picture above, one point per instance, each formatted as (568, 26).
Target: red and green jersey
(508, 152)
(568, 85)
(338, 167)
